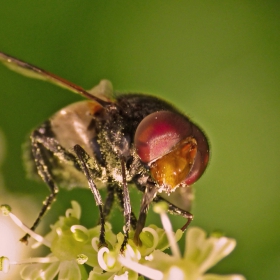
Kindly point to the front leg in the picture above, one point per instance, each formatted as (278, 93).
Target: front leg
(85, 166)
(149, 195)
(172, 209)
(120, 197)
(126, 206)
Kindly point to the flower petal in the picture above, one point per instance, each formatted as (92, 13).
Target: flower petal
(70, 270)
(40, 271)
(206, 252)
(75, 211)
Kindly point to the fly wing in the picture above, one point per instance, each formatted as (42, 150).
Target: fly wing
(32, 71)
(182, 197)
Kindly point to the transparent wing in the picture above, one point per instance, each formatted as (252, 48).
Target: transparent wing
(32, 71)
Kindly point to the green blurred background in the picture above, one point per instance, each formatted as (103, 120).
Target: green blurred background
(217, 61)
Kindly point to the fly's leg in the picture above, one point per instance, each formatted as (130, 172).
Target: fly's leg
(149, 195)
(113, 190)
(126, 207)
(45, 147)
(175, 210)
(40, 160)
(133, 219)
(85, 166)
(172, 209)
(42, 147)
(109, 200)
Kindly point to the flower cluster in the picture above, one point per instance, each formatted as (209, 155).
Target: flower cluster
(75, 251)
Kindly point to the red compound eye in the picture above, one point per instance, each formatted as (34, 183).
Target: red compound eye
(157, 140)
(202, 156)
(158, 133)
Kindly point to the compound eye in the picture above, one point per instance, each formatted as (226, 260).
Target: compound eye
(202, 156)
(158, 133)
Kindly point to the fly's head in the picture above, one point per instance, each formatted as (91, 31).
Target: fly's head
(175, 150)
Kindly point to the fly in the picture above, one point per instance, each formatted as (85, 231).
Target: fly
(112, 140)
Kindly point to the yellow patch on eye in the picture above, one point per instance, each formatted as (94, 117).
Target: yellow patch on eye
(174, 167)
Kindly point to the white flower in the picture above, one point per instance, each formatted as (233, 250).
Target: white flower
(72, 245)
(201, 253)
